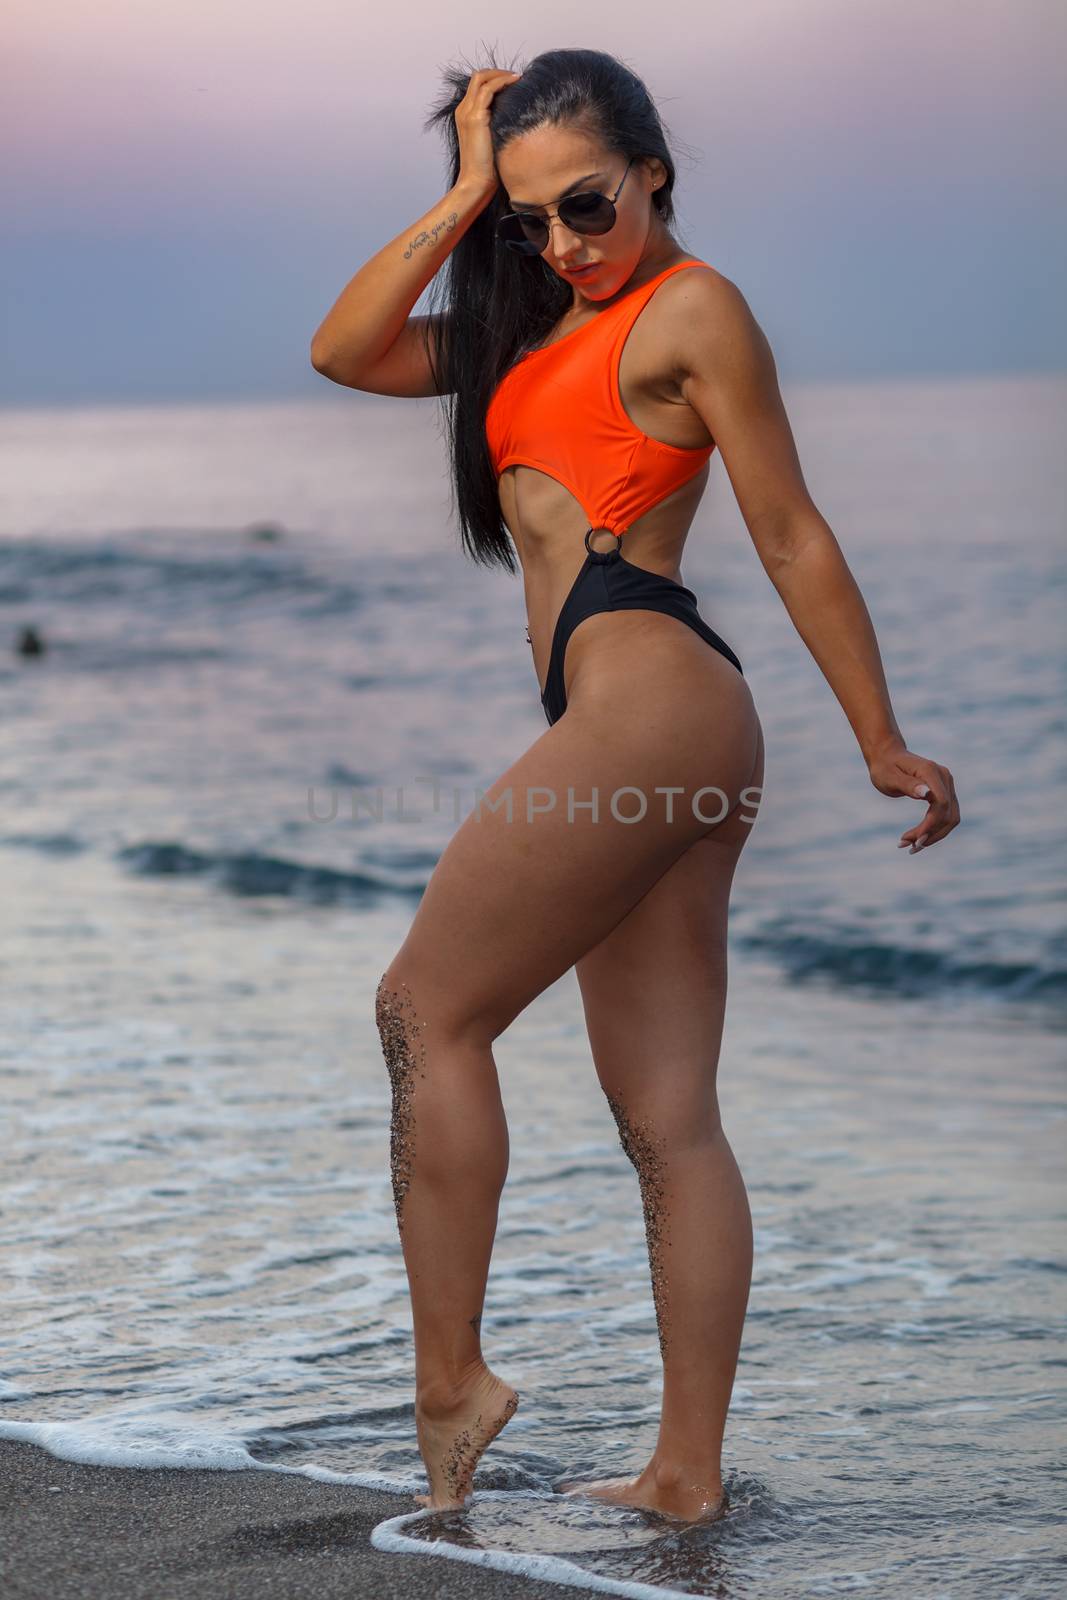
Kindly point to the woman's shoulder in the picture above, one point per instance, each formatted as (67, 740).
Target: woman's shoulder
(700, 286)
(704, 308)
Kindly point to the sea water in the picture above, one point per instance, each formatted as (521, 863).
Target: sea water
(253, 614)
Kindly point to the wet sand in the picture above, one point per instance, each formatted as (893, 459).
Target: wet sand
(132, 1533)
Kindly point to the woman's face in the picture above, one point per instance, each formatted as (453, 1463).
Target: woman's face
(538, 168)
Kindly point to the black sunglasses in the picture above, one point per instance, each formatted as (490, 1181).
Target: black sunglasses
(588, 212)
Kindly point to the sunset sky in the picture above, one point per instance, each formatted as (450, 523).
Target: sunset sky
(187, 185)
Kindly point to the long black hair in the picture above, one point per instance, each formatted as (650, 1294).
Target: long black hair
(497, 303)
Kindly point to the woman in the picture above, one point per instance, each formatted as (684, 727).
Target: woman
(586, 404)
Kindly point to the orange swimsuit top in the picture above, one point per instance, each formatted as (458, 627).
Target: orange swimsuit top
(559, 409)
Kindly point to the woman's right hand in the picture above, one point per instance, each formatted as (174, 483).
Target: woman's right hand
(477, 168)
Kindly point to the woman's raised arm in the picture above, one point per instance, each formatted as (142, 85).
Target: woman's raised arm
(368, 339)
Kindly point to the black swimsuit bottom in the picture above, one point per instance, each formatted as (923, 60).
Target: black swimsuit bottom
(608, 582)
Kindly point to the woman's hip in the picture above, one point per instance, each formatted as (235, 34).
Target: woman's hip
(655, 679)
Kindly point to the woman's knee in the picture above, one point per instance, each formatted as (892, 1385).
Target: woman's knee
(669, 1124)
(419, 1004)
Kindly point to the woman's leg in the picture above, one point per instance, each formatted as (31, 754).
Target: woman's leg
(515, 900)
(654, 993)
(447, 1223)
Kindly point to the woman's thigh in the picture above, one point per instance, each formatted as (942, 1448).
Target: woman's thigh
(654, 988)
(536, 876)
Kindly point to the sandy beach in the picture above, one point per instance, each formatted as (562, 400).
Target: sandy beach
(132, 1533)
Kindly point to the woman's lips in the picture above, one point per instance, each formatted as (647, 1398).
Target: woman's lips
(582, 272)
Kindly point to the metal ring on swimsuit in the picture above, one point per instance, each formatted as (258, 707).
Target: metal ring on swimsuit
(614, 535)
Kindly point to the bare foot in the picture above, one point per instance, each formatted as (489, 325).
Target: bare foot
(664, 1489)
(454, 1431)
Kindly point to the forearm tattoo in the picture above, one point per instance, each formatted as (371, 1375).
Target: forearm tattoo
(429, 235)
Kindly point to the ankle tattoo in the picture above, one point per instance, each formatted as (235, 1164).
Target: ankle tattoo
(645, 1152)
(405, 1054)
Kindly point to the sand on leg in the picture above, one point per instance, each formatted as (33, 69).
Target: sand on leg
(538, 876)
(654, 994)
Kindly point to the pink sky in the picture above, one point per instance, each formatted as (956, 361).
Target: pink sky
(884, 177)
(125, 107)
